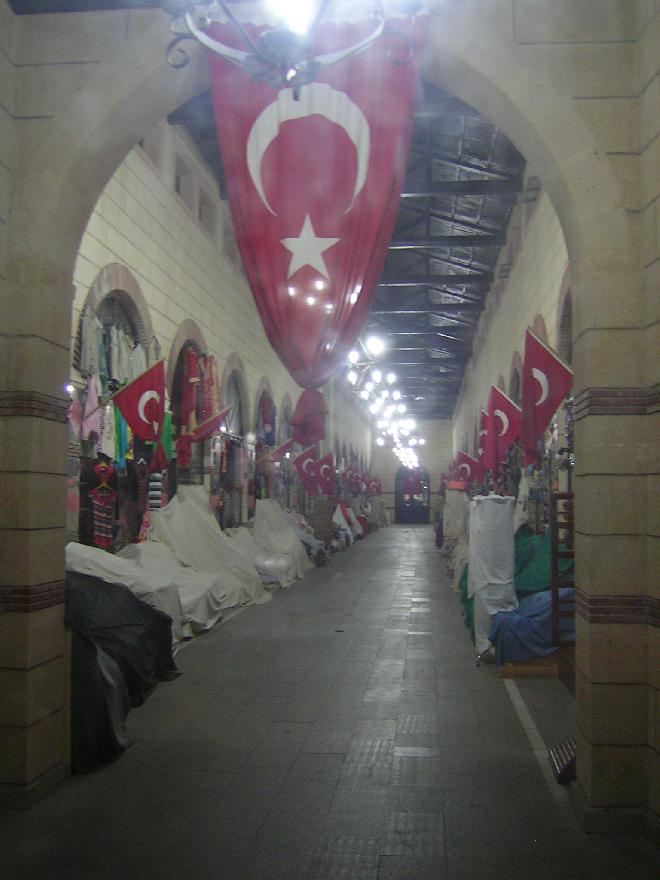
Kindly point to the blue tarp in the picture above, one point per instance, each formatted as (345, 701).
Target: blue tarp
(527, 632)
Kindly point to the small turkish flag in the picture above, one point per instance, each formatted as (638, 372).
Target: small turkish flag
(279, 453)
(466, 467)
(545, 383)
(326, 475)
(142, 403)
(306, 467)
(504, 418)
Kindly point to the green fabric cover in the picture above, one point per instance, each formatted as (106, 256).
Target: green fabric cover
(532, 571)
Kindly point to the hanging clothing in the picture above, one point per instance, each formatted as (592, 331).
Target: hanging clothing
(91, 422)
(107, 442)
(90, 342)
(188, 414)
(138, 361)
(121, 438)
(103, 506)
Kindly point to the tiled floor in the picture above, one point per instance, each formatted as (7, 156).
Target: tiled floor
(341, 731)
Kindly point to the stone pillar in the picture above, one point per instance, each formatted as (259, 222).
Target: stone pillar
(34, 655)
(618, 612)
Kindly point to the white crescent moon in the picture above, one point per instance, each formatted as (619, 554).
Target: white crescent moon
(306, 462)
(467, 468)
(542, 379)
(505, 421)
(315, 99)
(143, 401)
(482, 433)
(324, 469)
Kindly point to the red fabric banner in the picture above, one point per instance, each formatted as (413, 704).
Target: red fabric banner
(142, 403)
(467, 468)
(326, 476)
(314, 176)
(306, 466)
(308, 419)
(504, 419)
(545, 383)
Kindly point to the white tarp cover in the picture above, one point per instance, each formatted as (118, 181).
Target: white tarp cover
(454, 520)
(339, 520)
(358, 531)
(203, 595)
(274, 534)
(188, 527)
(157, 589)
(491, 572)
(271, 565)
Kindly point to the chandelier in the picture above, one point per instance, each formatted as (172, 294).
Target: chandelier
(282, 54)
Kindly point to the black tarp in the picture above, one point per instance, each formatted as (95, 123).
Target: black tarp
(121, 649)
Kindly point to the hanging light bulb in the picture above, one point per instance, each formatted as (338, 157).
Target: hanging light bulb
(364, 394)
(352, 377)
(375, 345)
(380, 441)
(396, 394)
(353, 357)
(377, 376)
(422, 441)
(401, 407)
(369, 387)
(297, 15)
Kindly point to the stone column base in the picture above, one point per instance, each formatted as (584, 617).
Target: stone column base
(24, 796)
(613, 820)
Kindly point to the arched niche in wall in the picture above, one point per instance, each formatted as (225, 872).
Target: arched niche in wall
(515, 377)
(234, 394)
(188, 332)
(114, 321)
(264, 415)
(538, 326)
(284, 421)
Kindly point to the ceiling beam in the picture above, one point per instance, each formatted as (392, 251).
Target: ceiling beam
(495, 239)
(471, 280)
(414, 189)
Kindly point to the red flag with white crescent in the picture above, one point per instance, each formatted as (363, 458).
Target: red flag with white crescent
(545, 383)
(466, 467)
(326, 475)
(314, 175)
(481, 440)
(504, 419)
(142, 403)
(306, 466)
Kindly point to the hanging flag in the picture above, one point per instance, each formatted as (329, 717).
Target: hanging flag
(314, 173)
(326, 475)
(202, 432)
(481, 441)
(142, 403)
(279, 453)
(545, 383)
(467, 468)
(306, 466)
(504, 418)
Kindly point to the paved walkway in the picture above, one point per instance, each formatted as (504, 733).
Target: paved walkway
(341, 731)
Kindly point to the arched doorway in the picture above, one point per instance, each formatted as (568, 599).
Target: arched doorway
(411, 495)
(79, 146)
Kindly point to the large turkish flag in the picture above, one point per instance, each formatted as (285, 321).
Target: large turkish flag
(545, 383)
(314, 177)
(503, 427)
(142, 403)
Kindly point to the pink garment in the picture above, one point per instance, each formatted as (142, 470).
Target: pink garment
(91, 421)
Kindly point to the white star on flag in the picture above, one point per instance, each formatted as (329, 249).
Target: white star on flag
(307, 249)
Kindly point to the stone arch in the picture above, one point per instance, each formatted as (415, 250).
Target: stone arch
(116, 278)
(538, 327)
(515, 377)
(284, 421)
(234, 368)
(262, 387)
(187, 331)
